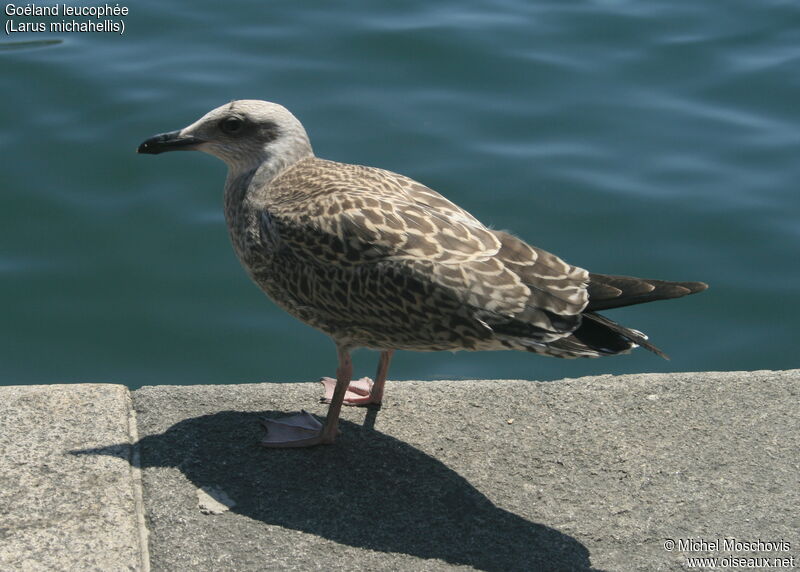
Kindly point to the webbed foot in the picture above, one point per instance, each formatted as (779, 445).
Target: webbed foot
(298, 430)
(359, 391)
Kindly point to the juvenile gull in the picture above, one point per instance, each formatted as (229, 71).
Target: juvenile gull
(377, 260)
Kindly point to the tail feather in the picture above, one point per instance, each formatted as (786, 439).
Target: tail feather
(629, 334)
(597, 335)
(607, 291)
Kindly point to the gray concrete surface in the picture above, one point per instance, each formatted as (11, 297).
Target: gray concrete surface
(594, 473)
(59, 509)
(590, 473)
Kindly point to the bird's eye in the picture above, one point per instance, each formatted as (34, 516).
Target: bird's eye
(231, 125)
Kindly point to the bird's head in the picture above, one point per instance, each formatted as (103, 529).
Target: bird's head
(243, 133)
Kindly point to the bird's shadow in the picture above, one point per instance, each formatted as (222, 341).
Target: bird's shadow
(369, 490)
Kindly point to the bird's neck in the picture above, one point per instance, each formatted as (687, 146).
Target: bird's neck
(268, 163)
(247, 187)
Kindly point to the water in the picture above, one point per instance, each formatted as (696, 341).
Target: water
(657, 139)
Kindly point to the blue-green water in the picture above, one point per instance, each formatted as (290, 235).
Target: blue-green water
(658, 139)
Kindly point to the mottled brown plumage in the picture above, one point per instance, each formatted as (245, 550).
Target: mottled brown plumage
(375, 259)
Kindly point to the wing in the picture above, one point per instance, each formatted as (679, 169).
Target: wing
(358, 216)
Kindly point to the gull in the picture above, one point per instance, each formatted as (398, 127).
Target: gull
(375, 259)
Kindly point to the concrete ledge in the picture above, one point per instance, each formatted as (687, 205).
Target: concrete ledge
(584, 474)
(60, 510)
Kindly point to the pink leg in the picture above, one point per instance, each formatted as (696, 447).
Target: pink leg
(303, 429)
(362, 391)
(380, 376)
(344, 373)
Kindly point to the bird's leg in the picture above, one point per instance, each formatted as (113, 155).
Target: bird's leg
(362, 391)
(344, 373)
(380, 376)
(303, 429)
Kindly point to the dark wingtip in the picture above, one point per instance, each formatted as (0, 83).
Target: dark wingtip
(659, 353)
(644, 343)
(696, 286)
(690, 288)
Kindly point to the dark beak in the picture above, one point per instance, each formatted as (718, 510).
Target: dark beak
(172, 141)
